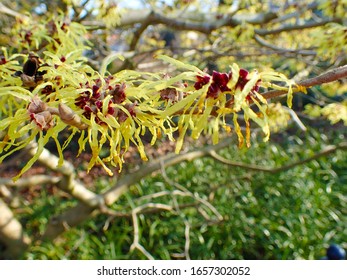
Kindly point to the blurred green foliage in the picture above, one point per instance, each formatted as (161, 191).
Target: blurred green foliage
(295, 214)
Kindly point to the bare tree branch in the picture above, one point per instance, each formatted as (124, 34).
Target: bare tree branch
(301, 7)
(264, 43)
(328, 150)
(201, 22)
(327, 77)
(8, 11)
(30, 181)
(292, 27)
(68, 183)
(207, 22)
(11, 234)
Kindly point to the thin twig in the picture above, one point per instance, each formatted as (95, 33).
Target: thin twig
(328, 150)
(292, 27)
(295, 118)
(187, 237)
(194, 196)
(136, 242)
(264, 43)
(118, 214)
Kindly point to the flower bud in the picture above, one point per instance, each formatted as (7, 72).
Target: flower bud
(68, 116)
(43, 120)
(37, 105)
(31, 66)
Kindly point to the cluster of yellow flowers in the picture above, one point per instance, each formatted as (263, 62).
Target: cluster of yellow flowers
(54, 90)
